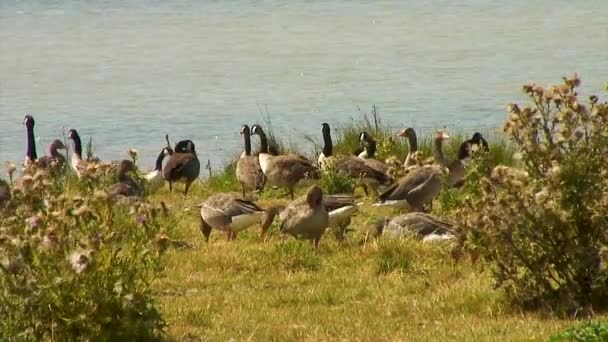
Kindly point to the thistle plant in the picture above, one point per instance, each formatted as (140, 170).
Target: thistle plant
(544, 227)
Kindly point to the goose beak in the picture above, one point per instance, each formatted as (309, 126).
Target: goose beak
(444, 135)
(403, 133)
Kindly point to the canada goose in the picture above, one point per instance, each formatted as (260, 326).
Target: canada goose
(54, 157)
(231, 214)
(412, 140)
(476, 142)
(369, 152)
(76, 162)
(284, 171)
(350, 166)
(248, 170)
(126, 186)
(418, 187)
(155, 178)
(183, 166)
(424, 226)
(306, 219)
(30, 151)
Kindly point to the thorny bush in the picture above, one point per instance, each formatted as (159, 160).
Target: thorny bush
(544, 225)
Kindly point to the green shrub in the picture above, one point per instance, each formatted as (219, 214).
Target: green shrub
(591, 331)
(544, 227)
(334, 183)
(77, 267)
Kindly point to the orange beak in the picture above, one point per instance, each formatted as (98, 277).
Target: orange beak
(403, 133)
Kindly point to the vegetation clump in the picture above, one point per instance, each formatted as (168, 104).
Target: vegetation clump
(543, 226)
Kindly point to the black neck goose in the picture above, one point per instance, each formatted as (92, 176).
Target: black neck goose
(307, 219)
(369, 152)
(477, 142)
(30, 149)
(350, 166)
(182, 166)
(231, 214)
(248, 170)
(76, 162)
(412, 140)
(284, 171)
(126, 186)
(155, 178)
(420, 186)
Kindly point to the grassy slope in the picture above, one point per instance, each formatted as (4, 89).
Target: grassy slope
(283, 290)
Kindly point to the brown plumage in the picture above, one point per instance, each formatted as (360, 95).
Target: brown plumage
(54, 159)
(182, 166)
(231, 214)
(126, 186)
(306, 219)
(248, 170)
(284, 171)
(456, 169)
(412, 140)
(421, 225)
(369, 153)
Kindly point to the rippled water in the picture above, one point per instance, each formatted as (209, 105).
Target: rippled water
(127, 72)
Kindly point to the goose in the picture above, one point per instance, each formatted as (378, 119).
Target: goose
(231, 214)
(350, 165)
(284, 171)
(183, 166)
(126, 186)
(248, 170)
(340, 208)
(54, 157)
(30, 149)
(456, 169)
(424, 226)
(420, 186)
(76, 163)
(155, 178)
(307, 219)
(369, 152)
(477, 141)
(412, 140)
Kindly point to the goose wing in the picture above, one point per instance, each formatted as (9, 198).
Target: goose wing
(356, 167)
(180, 164)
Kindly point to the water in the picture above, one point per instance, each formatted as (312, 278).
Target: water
(127, 72)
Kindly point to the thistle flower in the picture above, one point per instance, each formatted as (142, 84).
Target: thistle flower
(80, 260)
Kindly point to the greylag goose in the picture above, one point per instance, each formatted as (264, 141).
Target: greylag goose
(284, 171)
(182, 166)
(350, 166)
(307, 219)
(476, 142)
(155, 178)
(231, 214)
(54, 158)
(424, 226)
(248, 170)
(456, 169)
(126, 186)
(420, 186)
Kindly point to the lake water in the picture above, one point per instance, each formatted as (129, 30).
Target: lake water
(127, 72)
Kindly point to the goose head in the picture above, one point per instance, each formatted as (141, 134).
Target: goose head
(73, 135)
(257, 129)
(407, 133)
(246, 133)
(327, 143)
(314, 197)
(28, 121)
(441, 136)
(56, 145)
(125, 167)
(185, 146)
(477, 138)
(245, 130)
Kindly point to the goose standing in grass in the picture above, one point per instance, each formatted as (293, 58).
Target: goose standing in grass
(284, 171)
(182, 166)
(340, 208)
(420, 186)
(231, 214)
(76, 163)
(30, 148)
(412, 140)
(456, 169)
(126, 186)
(307, 219)
(350, 165)
(155, 178)
(248, 170)
(423, 226)
(477, 142)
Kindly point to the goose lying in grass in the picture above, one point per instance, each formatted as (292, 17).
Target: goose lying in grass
(155, 178)
(54, 159)
(126, 186)
(182, 166)
(248, 170)
(231, 214)
(284, 171)
(477, 142)
(350, 166)
(306, 219)
(421, 225)
(77, 164)
(420, 186)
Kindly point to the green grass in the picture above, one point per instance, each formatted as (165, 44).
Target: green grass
(282, 289)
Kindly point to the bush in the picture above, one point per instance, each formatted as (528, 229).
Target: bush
(334, 183)
(588, 332)
(77, 267)
(544, 226)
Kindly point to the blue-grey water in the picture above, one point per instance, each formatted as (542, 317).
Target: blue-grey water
(127, 72)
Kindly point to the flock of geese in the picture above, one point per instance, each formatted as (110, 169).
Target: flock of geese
(307, 217)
